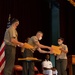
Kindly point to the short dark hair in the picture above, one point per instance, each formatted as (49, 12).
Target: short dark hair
(14, 20)
(61, 38)
(40, 32)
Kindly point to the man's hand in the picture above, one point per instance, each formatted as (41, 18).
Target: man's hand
(21, 44)
(49, 52)
(49, 48)
(55, 54)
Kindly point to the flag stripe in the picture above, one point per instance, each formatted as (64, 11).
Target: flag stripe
(2, 46)
(2, 67)
(3, 60)
(2, 57)
(1, 52)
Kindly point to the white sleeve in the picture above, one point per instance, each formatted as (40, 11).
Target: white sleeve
(43, 64)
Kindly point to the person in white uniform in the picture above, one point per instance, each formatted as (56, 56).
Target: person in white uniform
(47, 66)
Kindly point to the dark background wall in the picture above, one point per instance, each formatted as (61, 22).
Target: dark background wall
(33, 16)
(67, 23)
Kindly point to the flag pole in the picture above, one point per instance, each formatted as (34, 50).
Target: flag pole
(9, 17)
(8, 23)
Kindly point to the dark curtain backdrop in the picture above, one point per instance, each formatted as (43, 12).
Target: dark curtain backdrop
(33, 16)
(67, 24)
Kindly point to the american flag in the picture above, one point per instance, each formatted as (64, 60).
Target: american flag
(2, 52)
(2, 57)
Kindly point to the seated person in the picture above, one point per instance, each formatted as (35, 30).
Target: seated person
(47, 66)
(54, 71)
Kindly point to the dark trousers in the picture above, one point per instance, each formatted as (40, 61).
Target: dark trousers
(61, 66)
(10, 59)
(28, 66)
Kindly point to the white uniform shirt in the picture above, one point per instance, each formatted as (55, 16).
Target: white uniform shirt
(47, 64)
